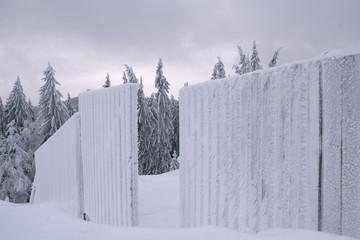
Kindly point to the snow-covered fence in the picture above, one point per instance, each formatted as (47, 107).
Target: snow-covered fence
(256, 148)
(340, 206)
(90, 165)
(58, 168)
(109, 154)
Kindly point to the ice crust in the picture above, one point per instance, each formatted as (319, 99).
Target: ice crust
(274, 148)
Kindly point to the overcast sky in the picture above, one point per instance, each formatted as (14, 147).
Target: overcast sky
(85, 39)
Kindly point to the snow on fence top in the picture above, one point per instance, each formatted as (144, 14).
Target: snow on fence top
(274, 148)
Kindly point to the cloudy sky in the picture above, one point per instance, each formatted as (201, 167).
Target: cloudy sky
(85, 39)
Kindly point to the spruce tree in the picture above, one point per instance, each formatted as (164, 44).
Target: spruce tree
(275, 58)
(214, 74)
(16, 108)
(14, 183)
(152, 162)
(246, 65)
(175, 123)
(164, 126)
(29, 143)
(255, 60)
(69, 105)
(130, 75)
(140, 124)
(124, 78)
(31, 111)
(53, 112)
(146, 123)
(2, 119)
(243, 66)
(219, 71)
(107, 83)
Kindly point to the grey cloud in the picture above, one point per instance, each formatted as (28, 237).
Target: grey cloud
(84, 39)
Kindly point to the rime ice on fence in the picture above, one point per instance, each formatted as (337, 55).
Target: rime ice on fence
(90, 164)
(252, 147)
(58, 168)
(109, 154)
(341, 146)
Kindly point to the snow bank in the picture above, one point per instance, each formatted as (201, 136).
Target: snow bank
(109, 154)
(47, 221)
(57, 168)
(253, 148)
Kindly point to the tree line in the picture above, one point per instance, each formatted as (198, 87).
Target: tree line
(246, 64)
(23, 127)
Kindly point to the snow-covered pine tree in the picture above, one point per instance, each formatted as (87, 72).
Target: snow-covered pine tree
(151, 120)
(53, 113)
(69, 105)
(107, 83)
(243, 66)
(16, 108)
(275, 58)
(175, 123)
(124, 78)
(186, 84)
(140, 124)
(131, 75)
(30, 142)
(247, 67)
(146, 136)
(255, 60)
(214, 74)
(219, 71)
(14, 183)
(2, 119)
(237, 69)
(31, 111)
(164, 126)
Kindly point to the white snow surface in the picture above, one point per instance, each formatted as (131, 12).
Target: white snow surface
(154, 212)
(158, 200)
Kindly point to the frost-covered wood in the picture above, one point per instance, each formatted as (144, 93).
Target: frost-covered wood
(252, 146)
(110, 154)
(58, 169)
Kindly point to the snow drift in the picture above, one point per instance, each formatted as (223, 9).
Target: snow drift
(274, 148)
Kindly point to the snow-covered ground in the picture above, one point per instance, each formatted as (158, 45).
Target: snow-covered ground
(159, 218)
(159, 200)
